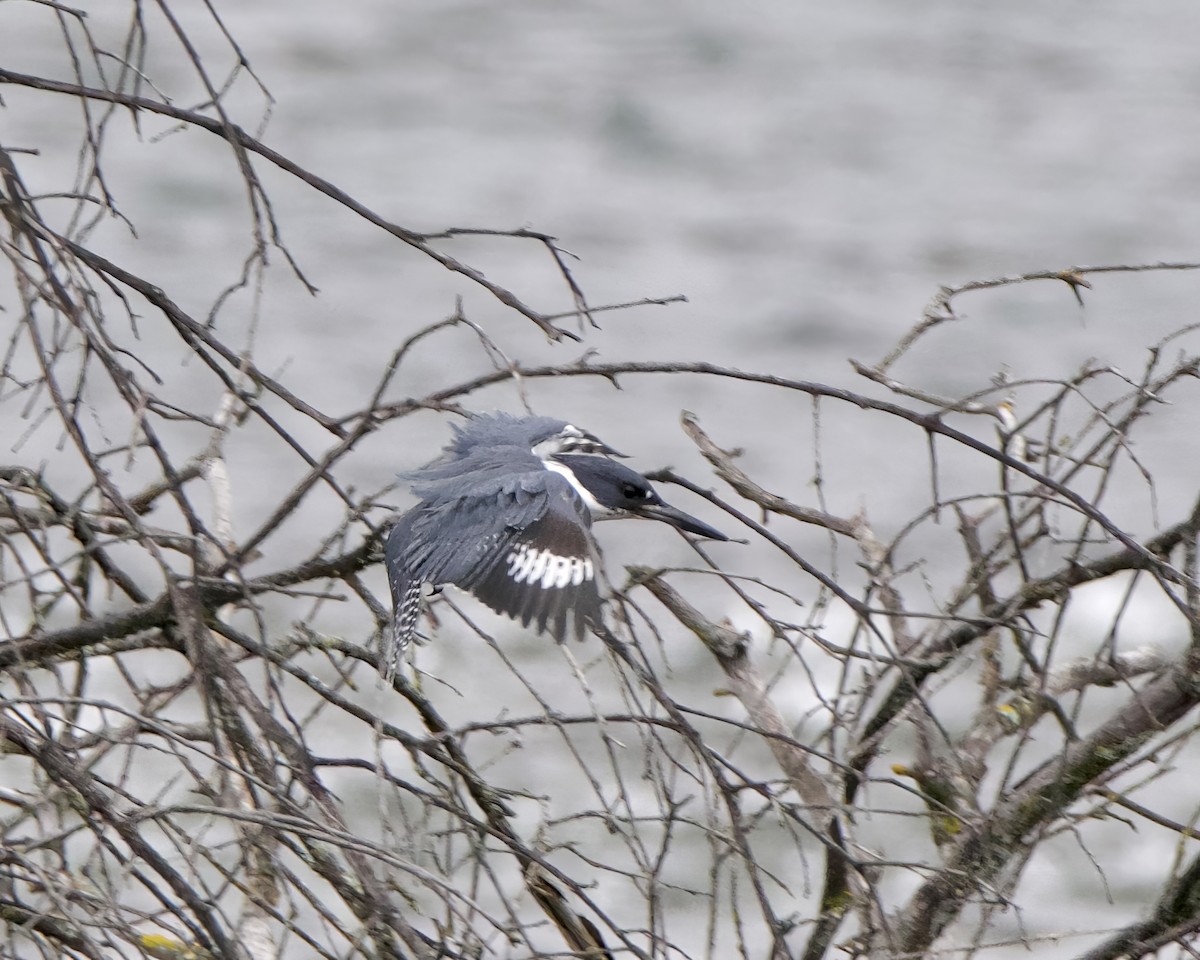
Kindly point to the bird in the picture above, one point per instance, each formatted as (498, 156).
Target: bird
(505, 513)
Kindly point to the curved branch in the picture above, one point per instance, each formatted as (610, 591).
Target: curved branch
(234, 133)
(989, 847)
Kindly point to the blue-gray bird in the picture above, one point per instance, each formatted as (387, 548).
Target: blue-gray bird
(506, 512)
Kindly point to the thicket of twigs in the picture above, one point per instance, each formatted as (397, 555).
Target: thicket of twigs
(184, 723)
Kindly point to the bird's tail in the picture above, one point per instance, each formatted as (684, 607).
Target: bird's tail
(406, 602)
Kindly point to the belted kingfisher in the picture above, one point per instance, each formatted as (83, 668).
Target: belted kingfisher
(506, 512)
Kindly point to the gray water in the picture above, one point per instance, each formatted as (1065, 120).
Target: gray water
(806, 174)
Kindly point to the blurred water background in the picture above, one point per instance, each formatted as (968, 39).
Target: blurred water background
(807, 175)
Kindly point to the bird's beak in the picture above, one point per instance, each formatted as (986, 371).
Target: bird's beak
(680, 520)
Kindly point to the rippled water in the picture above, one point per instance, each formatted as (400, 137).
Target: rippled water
(807, 175)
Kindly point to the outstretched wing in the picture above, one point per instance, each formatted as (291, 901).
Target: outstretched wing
(547, 569)
(521, 545)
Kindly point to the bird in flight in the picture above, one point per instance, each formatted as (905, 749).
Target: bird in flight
(506, 513)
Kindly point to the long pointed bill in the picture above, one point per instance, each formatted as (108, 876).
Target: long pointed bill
(677, 518)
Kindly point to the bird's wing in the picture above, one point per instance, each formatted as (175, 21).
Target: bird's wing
(521, 545)
(547, 571)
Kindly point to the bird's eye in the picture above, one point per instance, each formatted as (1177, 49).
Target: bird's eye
(631, 492)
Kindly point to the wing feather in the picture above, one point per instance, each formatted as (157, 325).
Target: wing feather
(546, 573)
(536, 565)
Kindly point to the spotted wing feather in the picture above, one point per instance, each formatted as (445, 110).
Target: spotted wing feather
(520, 543)
(547, 574)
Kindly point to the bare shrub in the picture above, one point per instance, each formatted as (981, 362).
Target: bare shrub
(199, 762)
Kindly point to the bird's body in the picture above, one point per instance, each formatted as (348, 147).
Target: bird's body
(506, 514)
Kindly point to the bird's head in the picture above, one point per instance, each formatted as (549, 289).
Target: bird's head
(612, 490)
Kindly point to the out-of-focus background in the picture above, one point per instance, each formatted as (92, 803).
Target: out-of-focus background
(807, 175)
